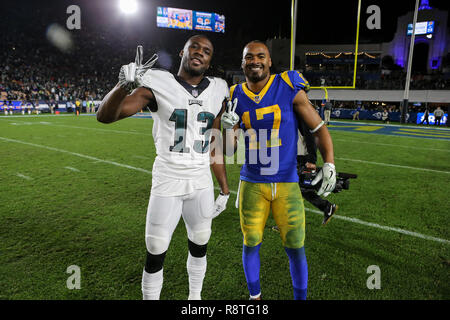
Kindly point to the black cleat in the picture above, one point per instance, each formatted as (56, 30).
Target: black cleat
(327, 214)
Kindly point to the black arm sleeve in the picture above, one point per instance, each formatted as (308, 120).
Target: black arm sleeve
(311, 146)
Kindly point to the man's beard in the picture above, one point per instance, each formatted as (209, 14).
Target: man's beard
(255, 76)
(194, 72)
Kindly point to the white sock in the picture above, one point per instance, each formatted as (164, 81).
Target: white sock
(255, 297)
(196, 268)
(151, 285)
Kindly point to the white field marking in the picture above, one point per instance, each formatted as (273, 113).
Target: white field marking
(391, 145)
(34, 116)
(391, 125)
(422, 135)
(77, 127)
(396, 135)
(72, 169)
(400, 136)
(393, 165)
(354, 220)
(76, 154)
(23, 123)
(23, 176)
(99, 129)
(378, 226)
(374, 225)
(369, 162)
(99, 160)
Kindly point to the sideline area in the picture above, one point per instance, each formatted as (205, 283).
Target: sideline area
(431, 132)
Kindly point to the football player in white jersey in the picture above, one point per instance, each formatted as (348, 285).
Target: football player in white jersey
(185, 107)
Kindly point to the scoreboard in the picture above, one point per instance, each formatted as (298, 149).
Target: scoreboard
(189, 20)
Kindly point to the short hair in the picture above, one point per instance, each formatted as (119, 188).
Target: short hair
(256, 41)
(259, 42)
(199, 36)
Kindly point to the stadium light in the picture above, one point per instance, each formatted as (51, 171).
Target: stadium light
(128, 6)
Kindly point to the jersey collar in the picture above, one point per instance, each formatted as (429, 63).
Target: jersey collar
(194, 91)
(259, 96)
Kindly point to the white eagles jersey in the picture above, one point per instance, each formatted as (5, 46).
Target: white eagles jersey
(182, 119)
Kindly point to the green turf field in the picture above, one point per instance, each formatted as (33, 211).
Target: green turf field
(75, 192)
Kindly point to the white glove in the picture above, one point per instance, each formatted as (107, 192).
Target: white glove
(130, 75)
(229, 117)
(328, 177)
(220, 204)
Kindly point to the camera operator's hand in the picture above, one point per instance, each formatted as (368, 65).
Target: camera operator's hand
(311, 166)
(328, 177)
(130, 75)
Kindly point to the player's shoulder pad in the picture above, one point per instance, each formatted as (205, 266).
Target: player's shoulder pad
(154, 76)
(295, 80)
(157, 71)
(219, 81)
(232, 88)
(221, 85)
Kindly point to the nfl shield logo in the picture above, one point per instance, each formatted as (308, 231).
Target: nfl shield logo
(195, 93)
(257, 98)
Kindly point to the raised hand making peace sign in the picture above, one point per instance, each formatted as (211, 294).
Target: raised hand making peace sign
(130, 75)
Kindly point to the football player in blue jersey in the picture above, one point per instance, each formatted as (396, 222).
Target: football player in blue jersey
(264, 109)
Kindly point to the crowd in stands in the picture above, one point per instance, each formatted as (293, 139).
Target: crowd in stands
(380, 106)
(381, 80)
(34, 70)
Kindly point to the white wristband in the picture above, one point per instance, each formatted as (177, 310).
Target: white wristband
(318, 127)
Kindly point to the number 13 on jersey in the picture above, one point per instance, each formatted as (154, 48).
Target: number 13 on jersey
(180, 116)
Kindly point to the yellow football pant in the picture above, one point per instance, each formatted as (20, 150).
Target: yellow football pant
(286, 202)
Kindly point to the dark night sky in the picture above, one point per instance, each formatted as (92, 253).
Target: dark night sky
(319, 21)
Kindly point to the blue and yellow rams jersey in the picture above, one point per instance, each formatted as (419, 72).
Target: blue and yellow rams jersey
(270, 126)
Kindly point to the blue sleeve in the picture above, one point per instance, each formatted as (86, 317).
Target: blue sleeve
(298, 81)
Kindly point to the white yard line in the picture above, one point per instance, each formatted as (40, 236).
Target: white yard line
(100, 129)
(393, 165)
(390, 145)
(46, 123)
(371, 224)
(432, 127)
(378, 226)
(35, 116)
(72, 169)
(23, 176)
(345, 159)
(354, 220)
(76, 154)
